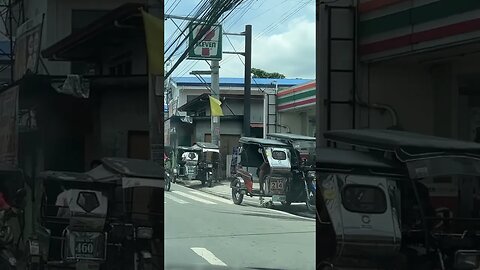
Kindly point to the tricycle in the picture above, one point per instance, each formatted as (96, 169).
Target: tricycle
(266, 162)
(303, 186)
(207, 162)
(376, 212)
(106, 218)
(186, 163)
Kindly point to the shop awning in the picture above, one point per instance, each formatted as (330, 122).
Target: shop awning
(120, 25)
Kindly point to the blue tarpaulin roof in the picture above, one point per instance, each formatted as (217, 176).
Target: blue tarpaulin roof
(194, 81)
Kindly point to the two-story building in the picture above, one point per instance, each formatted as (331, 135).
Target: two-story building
(189, 110)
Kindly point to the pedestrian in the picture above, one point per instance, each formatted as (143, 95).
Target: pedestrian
(264, 170)
(63, 202)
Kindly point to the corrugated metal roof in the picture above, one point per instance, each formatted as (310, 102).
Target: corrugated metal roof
(262, 82)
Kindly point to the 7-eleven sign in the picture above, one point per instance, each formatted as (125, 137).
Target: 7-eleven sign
(209, 47)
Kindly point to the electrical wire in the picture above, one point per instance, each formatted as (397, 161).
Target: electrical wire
(215, 13)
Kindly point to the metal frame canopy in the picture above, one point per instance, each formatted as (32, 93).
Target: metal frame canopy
(268, 142)
(290, 136)
(406, 145)
(355, 162)
(206, 147)
(424, 156)
(124, 171)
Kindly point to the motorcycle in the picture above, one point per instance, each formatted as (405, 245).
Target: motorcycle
(7, 243)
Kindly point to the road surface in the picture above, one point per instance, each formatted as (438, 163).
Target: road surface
(203, 231)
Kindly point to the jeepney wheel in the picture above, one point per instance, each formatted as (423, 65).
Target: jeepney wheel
(237, 196)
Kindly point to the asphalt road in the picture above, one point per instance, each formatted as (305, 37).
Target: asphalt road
(203, 231)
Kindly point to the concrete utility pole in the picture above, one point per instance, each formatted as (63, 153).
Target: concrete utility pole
(155, 100)
(215, 81)
(248, 80)
(215, 120)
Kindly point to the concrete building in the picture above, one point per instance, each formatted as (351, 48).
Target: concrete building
(402, 64)
(66, 122)
(189, 110)
(296, 109)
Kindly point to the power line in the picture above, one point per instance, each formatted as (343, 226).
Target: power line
(218, 9)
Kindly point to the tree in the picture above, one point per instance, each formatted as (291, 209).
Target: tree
(260, 73)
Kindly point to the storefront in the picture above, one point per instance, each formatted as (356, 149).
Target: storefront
(296, 109)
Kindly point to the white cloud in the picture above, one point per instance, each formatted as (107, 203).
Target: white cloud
(289, 49)
(291, 53)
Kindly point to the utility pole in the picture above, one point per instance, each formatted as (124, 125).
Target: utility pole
(215, 120)
(248, 80)
(215, 81)
(155, 99)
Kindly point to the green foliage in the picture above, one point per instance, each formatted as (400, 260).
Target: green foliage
(259, 73)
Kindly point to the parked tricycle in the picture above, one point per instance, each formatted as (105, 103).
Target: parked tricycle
(106, 218)
(186, 163)
(266, 162)
(302, 188)
(375, 212)
(209, 155)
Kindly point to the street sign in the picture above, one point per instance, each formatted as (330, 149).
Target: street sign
(209, 47)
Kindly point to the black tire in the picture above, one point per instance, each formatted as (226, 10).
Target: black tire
(286, 203)
(209, 180)
(237, 197)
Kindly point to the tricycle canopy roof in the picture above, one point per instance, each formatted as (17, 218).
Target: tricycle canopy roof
(124, 171)
(356, 162)
(206, 147)
(406, 145)
(424, 156)
(290, 136)
(265, 142)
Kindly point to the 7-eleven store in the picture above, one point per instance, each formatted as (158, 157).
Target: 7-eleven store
(296, 109)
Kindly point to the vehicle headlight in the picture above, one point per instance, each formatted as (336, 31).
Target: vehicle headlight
(144, 233)
(467, 259)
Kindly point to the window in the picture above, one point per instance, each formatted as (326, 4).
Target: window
(364, 199)
(279, 155)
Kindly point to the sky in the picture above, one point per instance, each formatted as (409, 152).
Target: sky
(283, 34)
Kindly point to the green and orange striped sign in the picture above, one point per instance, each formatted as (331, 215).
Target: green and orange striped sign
(296, 97)
(389, 27)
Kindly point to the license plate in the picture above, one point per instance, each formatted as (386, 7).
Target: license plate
(279, 198)
(85, 248)
(85, 245)
(276, 185)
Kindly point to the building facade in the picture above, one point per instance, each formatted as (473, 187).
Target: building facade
(413, 66)
(296, 109)
(189, 110)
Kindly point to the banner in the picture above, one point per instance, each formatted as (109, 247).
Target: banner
(8, 126)
(27, 47)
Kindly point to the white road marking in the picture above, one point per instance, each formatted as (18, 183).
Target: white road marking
(213, 197)
(208, 256)
(175, 199)
(193, 197)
